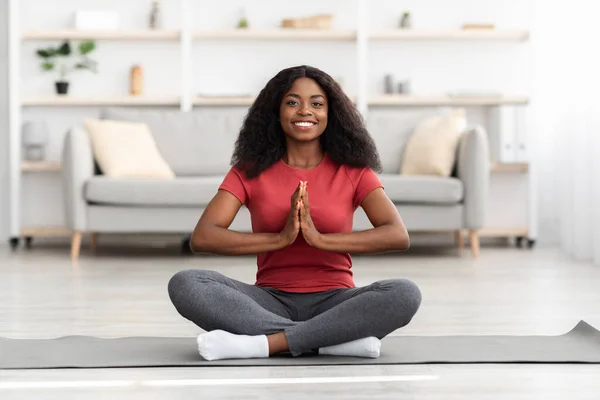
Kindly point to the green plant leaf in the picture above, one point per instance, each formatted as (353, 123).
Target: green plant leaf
(87, 47)
(64, 49)
(47, 66)
(46, 53)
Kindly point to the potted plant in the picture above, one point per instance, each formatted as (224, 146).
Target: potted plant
(58, 58)
(406, 20)
(243, 21)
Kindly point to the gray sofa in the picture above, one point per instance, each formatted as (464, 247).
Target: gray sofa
(198, 145)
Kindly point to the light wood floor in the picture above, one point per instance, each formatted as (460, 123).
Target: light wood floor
(118, 292)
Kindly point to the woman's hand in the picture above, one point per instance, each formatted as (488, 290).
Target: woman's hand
(311, 235)
(292, 226)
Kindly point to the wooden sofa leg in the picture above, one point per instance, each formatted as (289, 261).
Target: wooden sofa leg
(75, 245)
(459, 238)
(93, 241)
(474, 239)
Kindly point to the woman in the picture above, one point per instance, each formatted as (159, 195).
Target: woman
(302, 164)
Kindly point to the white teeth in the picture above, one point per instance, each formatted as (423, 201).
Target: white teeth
(304, 123)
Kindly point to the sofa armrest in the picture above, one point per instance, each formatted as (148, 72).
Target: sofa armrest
(473, 169)
(78, 167)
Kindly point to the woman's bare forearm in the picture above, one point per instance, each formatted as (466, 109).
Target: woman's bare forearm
(223, 241)
(382, 239)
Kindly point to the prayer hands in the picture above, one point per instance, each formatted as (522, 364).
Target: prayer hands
(299, 219)
(307, 227)
(292, 225)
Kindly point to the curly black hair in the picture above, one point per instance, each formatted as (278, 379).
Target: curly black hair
(261, 141)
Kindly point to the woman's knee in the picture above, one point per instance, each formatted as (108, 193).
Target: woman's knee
(404, 297)
(185, 283)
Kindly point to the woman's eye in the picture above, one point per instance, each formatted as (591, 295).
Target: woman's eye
(294, 103)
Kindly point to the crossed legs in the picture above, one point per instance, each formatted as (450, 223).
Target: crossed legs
(238, 315)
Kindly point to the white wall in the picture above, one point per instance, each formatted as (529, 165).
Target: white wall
(4, 163)
(225, 67)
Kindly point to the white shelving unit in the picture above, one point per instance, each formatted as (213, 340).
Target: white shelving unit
(185, 36)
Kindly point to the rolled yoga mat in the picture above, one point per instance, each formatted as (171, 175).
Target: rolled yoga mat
(580, 345)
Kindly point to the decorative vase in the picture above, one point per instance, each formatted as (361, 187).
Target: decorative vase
(404, 87)
(389, 84)
(406, 21)
(136, 81)
(155, 17)
(34, 140)
(62, 87)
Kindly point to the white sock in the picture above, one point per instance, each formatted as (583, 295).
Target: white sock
(219, 345)
(368, 347)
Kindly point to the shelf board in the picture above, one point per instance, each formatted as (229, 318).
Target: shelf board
(41, 166)
(53, 166)
(503, 231)
(134, 35)
(68, 100)
(484, 232)
(445, 100)
(223, 100)
(509, 167)
(451, 34)
(45, 231)
(276, 34)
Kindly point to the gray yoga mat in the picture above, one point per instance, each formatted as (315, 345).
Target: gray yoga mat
(580, 345)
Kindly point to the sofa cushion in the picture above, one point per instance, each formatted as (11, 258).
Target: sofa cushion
(198, 191)
(392, 128)
(126, 150)
(422, 189)
(431, 150)
(178, 192)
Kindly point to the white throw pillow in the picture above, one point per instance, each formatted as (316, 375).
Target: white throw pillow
(126, 150)
(431, 149)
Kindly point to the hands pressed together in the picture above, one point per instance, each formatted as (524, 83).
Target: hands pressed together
(299, 220)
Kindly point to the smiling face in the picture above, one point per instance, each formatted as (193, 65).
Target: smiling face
(303, 111)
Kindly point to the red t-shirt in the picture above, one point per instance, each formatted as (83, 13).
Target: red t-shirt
(334, 192)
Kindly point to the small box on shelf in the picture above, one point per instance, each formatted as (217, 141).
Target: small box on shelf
(320, 21)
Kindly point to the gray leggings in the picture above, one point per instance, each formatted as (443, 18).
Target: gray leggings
(310, 320)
